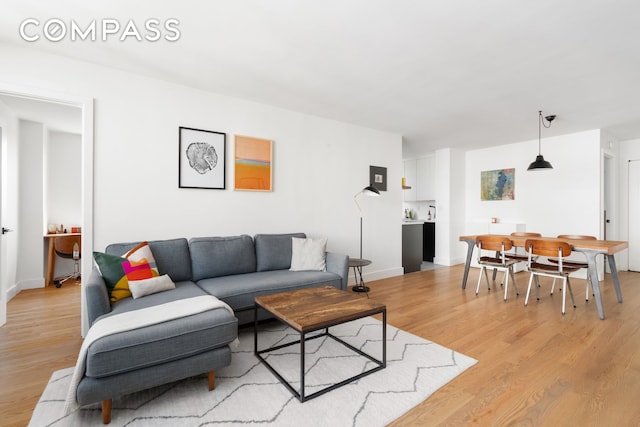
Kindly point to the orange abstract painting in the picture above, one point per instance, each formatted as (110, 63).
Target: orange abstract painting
(253, 163)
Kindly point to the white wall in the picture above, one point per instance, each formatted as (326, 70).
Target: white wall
(31, 140)
(319, 164)
(62, 192)
(563, 200)
(63, 179)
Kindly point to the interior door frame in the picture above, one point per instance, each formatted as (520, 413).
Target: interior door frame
(633, 168)
(86, 104)
(3, 294)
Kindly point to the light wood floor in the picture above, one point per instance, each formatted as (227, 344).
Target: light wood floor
(535, 366)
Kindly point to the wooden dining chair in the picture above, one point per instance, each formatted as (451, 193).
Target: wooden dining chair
(515, 255)
(498, 245)
(580, 265)
(550, 248)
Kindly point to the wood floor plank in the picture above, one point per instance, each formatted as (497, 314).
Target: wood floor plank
(535, 366)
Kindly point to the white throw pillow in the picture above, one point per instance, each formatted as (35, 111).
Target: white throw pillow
(140, 288)
(308, 254)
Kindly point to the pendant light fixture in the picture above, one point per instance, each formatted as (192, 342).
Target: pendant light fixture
(540, 162)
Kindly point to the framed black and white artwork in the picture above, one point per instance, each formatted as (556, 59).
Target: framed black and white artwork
(378, 177)
(202, 159)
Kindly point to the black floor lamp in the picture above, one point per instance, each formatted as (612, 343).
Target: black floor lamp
(357, 264)
(367, 191)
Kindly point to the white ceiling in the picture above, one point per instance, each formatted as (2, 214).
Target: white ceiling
(442, 73)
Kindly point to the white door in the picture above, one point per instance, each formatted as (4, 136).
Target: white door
(3, 261)
(634, 215)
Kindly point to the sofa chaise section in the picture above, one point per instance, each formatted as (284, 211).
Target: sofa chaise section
(135, 360)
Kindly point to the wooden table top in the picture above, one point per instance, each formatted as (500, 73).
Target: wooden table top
(311, 309)
(609, 247)
(52, 235)
(358, 262)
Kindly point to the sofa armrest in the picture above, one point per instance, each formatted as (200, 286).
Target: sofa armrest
(339, 264)
(97, 297)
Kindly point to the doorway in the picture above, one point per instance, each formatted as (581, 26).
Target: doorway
(42, 100)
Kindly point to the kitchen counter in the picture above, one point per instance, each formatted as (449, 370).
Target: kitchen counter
(417, 221)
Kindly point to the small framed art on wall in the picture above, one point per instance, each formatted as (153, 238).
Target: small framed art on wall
(202, 159)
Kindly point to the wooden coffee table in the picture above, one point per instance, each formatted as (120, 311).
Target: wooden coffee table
(314, 309)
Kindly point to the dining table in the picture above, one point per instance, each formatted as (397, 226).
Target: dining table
(590, 248)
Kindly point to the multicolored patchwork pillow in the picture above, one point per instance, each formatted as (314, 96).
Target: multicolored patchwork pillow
(137, 264)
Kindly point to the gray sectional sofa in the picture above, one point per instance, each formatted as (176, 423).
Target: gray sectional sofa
(234, 269)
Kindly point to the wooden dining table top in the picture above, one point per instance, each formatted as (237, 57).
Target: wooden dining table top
(608, 247)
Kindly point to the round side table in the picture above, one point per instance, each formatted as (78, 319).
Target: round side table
(357, 264)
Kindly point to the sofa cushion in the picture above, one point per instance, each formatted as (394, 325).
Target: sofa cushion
(308, 254)
(112, 272)
(239, 291)
(117, 269)
(172, 256)
(222, 256)
(153, 285)
(182, 290)
(273, 251)
(161, 343)
(155, 344)
(140, 256)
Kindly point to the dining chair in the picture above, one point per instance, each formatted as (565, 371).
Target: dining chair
(581, 265)
(515, 255)
(550, 248)
(498, 245)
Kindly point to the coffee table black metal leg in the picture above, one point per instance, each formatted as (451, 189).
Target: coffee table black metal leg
(302, 398)
(300, 394)
(384, 338)
(255, 329)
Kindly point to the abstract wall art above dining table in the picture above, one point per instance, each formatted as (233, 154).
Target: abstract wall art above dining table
(497, 184)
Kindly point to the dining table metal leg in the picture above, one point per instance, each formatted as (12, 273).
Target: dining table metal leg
(614, 276)
(593, 272)
(470, 245)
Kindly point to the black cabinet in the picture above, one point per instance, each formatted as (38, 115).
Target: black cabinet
(429, 241)
(412, 247)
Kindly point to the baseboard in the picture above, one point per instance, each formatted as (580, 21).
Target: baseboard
(23, 285)
(448, 261)
(12, 292)
(377, 275)
(31, 284)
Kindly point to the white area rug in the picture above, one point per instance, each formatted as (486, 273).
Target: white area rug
(248, 394)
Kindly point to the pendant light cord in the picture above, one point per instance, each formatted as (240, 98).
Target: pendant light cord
(539, 133)
(541, 121)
